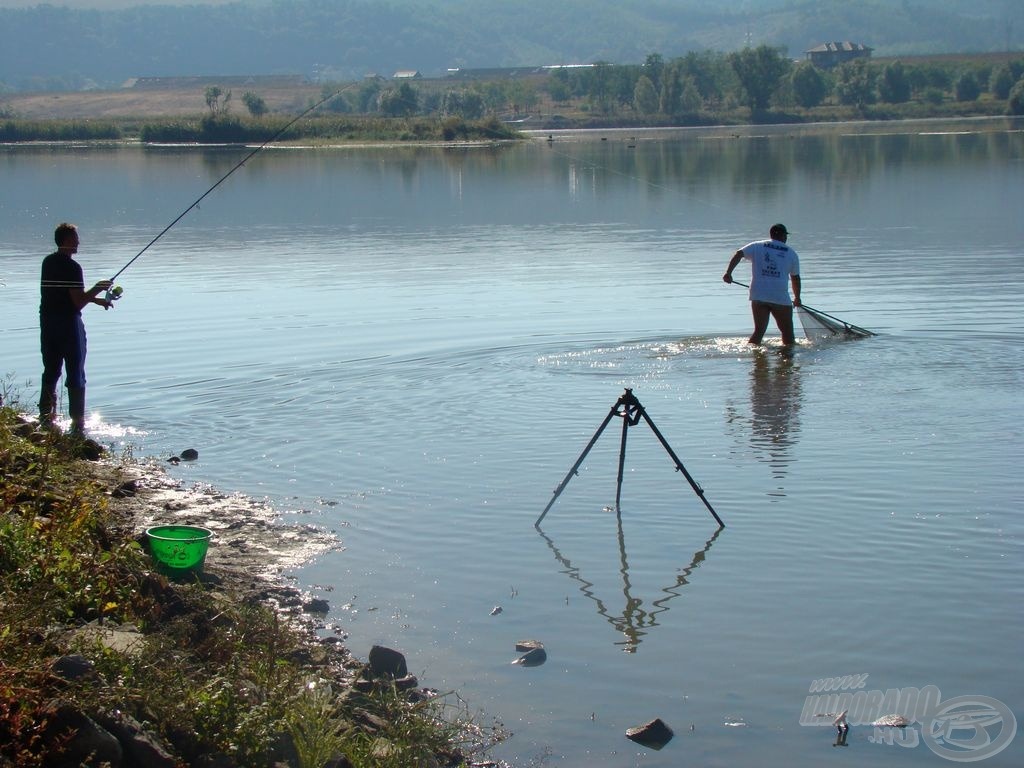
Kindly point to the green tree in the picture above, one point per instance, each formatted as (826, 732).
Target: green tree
(966, 87)
(523, 95)
(1001, 81)
(711, 72)
(468, 105)
(600, 91)
(894, 86)
(645, 97)
(855, 83)
(930, 75)
(217, 101)
(368, 99)
(690, 102)
(671, 96)
(558, 86)
(256, 105)
(1015, 102)
(760, 71)
(809, 85)
(400, 102)
(654, 66)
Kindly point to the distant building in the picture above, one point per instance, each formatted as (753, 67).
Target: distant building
(829, 55)
(406, 74)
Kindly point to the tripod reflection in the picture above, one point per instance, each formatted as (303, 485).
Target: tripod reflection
(635, 619)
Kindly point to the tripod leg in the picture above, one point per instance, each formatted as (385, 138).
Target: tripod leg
(679, 465)
(579, 461)
(622, 463)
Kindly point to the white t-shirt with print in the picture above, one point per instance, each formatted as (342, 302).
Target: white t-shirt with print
(771, 264)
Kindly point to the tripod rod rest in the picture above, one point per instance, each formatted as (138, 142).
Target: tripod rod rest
(631, 408)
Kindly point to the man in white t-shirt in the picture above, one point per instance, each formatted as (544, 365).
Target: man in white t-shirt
(774, 266)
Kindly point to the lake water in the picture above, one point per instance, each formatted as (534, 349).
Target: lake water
(412, 346)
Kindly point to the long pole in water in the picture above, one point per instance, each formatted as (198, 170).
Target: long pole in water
(224, 178)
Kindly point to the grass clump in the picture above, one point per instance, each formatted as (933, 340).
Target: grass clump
(210, 675)
(13, 130)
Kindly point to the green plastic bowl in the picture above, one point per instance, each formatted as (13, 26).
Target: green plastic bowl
(179, 547)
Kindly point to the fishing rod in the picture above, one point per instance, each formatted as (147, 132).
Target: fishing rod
(115, 292)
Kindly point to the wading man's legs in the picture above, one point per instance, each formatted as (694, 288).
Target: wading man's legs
(762, 312)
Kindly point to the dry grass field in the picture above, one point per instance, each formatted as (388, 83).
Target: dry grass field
(145, 103)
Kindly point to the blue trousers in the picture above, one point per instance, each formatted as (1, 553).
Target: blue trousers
(63, 344)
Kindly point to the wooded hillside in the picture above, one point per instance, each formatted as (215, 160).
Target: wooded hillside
(52, 48)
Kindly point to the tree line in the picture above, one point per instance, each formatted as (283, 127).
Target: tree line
(699, 87)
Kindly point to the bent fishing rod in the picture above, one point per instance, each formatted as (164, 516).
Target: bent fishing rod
(115, 292)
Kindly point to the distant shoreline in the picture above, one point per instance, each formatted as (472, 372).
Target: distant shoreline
(379, 139)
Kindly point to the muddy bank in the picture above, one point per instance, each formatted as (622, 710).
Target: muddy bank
(252, 546)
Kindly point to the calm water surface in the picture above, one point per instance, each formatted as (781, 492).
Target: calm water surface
(412, 347)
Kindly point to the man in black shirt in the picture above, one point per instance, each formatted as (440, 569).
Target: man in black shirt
(62, 332)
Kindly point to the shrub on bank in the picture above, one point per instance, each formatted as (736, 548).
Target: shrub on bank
(235, 130)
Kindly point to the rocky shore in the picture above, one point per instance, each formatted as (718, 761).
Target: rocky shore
(228, 665)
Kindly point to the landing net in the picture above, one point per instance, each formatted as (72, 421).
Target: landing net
(819, 326)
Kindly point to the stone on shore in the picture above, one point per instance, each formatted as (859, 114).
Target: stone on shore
(385, 662)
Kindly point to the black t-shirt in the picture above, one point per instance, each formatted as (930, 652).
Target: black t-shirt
(60, 273)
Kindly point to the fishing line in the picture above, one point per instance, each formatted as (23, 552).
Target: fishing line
(114, 292)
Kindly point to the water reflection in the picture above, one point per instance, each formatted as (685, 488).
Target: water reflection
(759, 166)
(634, 620)
(773, 424)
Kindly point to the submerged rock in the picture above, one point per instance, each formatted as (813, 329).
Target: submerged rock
(654, 734)
(528, 645)
(532, 658)
(189, 454)
(891, 721)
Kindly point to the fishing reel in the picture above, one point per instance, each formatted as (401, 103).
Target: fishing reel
(113, 293)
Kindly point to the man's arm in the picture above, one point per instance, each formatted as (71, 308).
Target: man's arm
(733, 263)
(80, 298)
(795, 280)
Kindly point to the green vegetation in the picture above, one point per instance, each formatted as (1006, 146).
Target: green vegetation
(757, 85)
(214, 676)
(761, 85)
(13, 129)
(210, 129)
